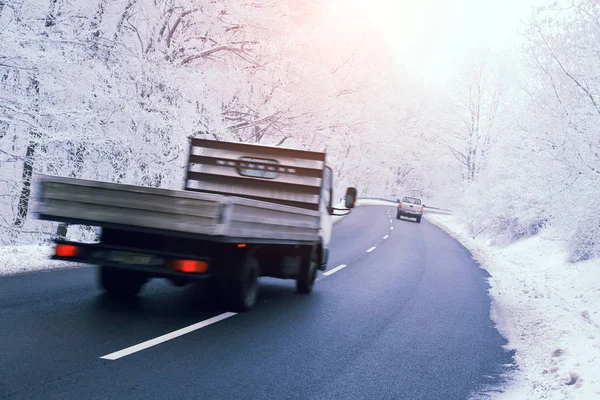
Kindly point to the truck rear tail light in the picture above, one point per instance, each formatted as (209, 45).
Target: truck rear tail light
(66, 250)
(190, 266)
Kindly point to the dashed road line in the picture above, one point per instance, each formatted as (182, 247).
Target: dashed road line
(336, 269)
(371, 249)
(386, 236)
(161, 339)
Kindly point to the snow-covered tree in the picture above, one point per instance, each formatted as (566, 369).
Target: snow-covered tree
(112, 90)
(562, 48)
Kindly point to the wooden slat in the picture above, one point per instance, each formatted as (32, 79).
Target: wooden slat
(45, 179)
(96, 214)
(132, 200)
(267, 205)
(265, 231)
(243, 213)
(286, 203)
(258, 183)
(258, 153)
(199, 162)
(248, 147)
(263, 194)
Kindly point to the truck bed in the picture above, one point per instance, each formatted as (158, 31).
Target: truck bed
(219, 217)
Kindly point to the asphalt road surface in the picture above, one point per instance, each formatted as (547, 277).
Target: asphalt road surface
(406, 318)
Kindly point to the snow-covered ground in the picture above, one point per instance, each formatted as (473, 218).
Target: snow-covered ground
(26, 258)
(547, 308)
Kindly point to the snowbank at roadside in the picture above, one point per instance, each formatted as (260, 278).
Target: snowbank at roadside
(360, 202)
(547, 308)
(375, 203)
(27, 258)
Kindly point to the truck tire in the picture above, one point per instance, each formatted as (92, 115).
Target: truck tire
(306, 283)
(242, 294)
(120, 283)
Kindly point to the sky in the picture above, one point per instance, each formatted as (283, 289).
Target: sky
(431, 37)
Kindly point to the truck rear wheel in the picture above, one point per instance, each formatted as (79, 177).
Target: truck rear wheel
(241, 294)
(119, 282)
(307, 281)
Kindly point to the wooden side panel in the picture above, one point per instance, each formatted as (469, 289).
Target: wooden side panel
(102, 203)
(255, 193)
(99, 214)
(266, 220)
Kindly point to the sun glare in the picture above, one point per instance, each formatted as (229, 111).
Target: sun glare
(430, 37)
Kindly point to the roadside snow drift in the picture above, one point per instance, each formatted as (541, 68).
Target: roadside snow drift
(26, 258)
(547, 308)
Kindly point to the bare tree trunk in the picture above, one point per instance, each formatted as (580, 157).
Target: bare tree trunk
(124, 16)
(50, 17)
(23, 206)
(95, 26)
(34, 137)
(27, 174)
(4, 126)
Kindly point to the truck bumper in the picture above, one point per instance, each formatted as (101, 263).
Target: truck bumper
(149, 263)
(401, 213)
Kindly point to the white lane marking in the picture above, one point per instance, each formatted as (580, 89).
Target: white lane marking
(336, 269)
(391, 227)
(371, 249)
(161, 339)
(386, 236)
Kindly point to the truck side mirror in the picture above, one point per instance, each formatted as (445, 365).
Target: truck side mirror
(351, 195)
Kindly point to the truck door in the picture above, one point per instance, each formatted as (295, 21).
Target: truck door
(325, 207)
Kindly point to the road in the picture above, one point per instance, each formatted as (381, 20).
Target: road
(407, 320)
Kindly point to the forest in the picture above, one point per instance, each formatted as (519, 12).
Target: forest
(113, 90)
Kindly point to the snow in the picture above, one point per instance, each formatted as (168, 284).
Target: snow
(89, 96)
(547, 308)
(28, 258)
(374, 203)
